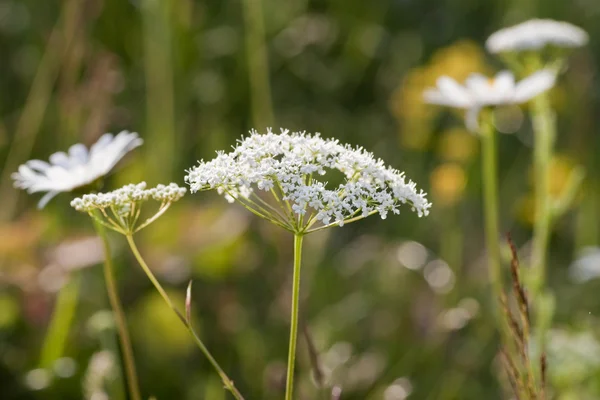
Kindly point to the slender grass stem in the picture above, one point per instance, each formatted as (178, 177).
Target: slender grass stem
(289, 388)
(258, 63)
(62, 319)
(31, 117)
(115, 303)
(490, 198)
(545, 132)
(228, 383)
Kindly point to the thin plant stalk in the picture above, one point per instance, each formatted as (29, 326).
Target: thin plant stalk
(226, 380)
(28, 125)
(258, 63)
(160, 96)
(544, 126)
(490, 197)
(289, 387)
(545, 131)
(62, 317)
(115, 303)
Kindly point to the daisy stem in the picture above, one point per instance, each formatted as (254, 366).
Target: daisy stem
(544, 131)
(228, 383)
(115, 303)
(289, 388)
(544, 127)
(490, 198)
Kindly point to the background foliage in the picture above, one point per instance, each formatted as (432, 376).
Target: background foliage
(394, 308)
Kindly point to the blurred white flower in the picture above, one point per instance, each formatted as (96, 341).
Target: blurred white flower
(535, 34)
(479, 92)
(293, 168)
(573, 356)
(79, 167)
(120, 209)
(587, 265)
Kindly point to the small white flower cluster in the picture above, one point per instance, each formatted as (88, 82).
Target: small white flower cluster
(122, 198)
(291, 163)
(535, 34)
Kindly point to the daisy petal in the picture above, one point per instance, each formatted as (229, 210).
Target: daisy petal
(456, 93)
(45, 199)
(78, 153)
(38, 165)
(533, 85)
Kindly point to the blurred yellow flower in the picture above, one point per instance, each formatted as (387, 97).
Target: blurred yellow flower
(561, 169)
(448, 182)
(457, 144)
(415, 117)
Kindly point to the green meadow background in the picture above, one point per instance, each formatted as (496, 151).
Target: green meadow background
(394, 308)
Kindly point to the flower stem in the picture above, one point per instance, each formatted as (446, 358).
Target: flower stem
(226, 381)
(115, 303)
(545, 132)
(490, 197)
(62, 319)
(289, 388)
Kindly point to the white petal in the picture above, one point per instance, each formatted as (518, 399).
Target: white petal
(455, 92)
(480, 88)
(38, 165)
(78, 153)
(533, 85)
(101, 143)
(504, 84)
(434, 96)
(61, 159)
(45, 199)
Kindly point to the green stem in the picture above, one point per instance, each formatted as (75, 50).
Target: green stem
(226, 381)
(289, 388)
(115, 303)
(258, 64)
(62, 318)
(490, 198)
(545, 132)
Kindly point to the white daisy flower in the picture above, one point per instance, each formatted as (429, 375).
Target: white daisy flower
(79, 167)
(293, 169)
(479, 92)
(536, 34)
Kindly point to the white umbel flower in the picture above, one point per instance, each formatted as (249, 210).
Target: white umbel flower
(79, 167)
(479, 92)
(536, 34)
(120, 209)
(293, 167)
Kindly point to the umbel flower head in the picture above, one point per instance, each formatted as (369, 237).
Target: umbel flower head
(479, 92)
(292, 170)
(79, 167)
(536, 34)
(120, 209)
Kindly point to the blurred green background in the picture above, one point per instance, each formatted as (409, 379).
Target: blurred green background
(396, 308)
